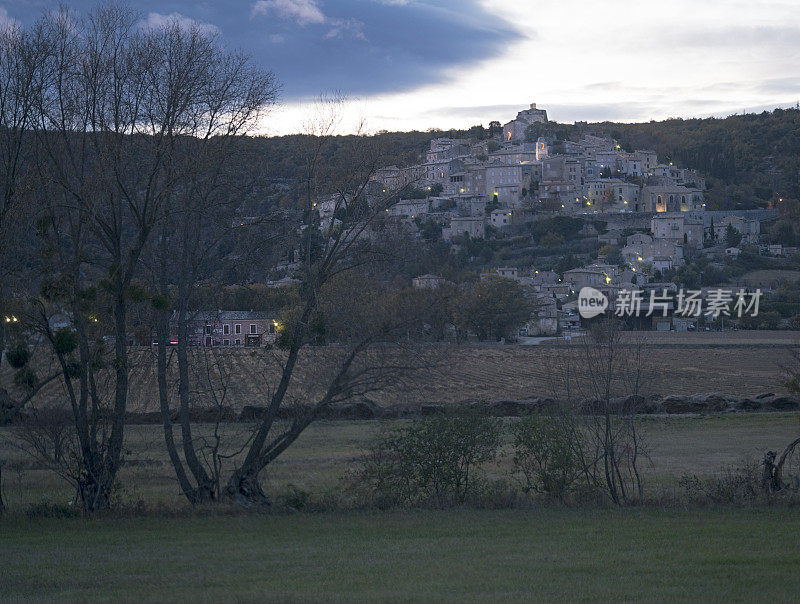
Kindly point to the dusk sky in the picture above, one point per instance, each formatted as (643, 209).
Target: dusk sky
(415, 64)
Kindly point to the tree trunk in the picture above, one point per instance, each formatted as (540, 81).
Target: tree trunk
(205, 491)
(163, 396)
(2, 505)
(245, 490)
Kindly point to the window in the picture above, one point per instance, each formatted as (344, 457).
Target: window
(237, 329)
(226, 329)
(253, 328)
(272, 327)
(226, 342)
(208, 329)
(238, 342)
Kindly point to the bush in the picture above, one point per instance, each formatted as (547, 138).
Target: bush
(66, 340)
(546, 452)
(18, 356)
(735, 485)
(26, 378)
(433, 461)
(48, 509)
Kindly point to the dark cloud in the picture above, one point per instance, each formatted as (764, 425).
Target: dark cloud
(360, 47)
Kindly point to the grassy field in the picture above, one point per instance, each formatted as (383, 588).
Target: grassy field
(460, 555)
(327, 452)
(653, 553)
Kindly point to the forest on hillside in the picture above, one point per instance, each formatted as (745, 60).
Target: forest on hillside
(749, 160)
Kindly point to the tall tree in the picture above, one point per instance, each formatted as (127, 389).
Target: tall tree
(363, 363)
(492, 307)
(120, 110)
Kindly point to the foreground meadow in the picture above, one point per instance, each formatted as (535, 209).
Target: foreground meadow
(457, 555)
(327, 452)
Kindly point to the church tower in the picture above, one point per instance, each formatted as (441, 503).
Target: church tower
(541, 149)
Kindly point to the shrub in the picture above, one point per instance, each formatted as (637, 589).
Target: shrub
(18, 356)
(433, 461)
(48, 509)
(294, 497)
(735, 485)
(66, 340)
(26, 378)
(546, 452)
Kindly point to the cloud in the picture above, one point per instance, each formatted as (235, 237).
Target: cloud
(373, 46)
(363, 47)
(470, 112)
(158, 20)
(340, 27)
(734, 36)
(780, 86)
(303, 12)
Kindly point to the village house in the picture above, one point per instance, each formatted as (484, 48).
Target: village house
(229, 328)
(523, 154)
(648, 158)
(670, 198)
(594, 275)
(427, 282)
(732, 252)
(659, 251)
(681, 228)
(506, 273)
(474, 226)
(749, 228)
(504, 183)
(408, 209)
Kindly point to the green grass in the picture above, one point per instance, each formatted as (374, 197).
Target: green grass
(460, 555)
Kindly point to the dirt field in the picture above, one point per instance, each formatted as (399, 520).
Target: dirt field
(767, 278)
(744, 363)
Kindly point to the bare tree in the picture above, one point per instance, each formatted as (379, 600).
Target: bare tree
(331, 253)
(20, 64)
(121, 111)
(602, 379)
(197, 222)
